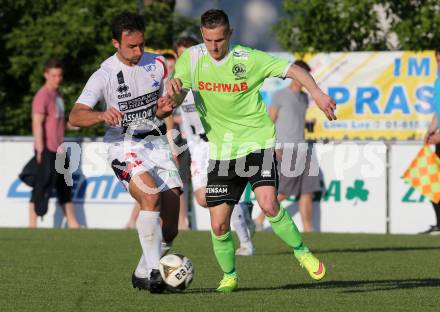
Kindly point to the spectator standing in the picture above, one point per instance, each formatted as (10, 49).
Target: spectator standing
(48, 124)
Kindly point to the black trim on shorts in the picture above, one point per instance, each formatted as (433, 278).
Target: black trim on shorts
(121, 170)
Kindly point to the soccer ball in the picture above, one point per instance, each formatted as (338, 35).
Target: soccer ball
(177, 271)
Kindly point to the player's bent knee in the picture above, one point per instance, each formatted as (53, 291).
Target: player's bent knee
(149, 202)
(219, 228)
(269, 207)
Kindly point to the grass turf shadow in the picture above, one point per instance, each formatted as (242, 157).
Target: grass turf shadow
(370, 285)
(358, 250)
(360, 286)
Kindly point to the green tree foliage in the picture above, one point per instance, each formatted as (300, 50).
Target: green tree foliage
(337, 25)
(416, 23)
(347, 25)
(75, 31)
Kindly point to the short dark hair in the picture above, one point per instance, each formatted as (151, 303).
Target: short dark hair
(52, 63)
(437, 51)
(303, 65)
(214, 18)
(169, 56)
(186, 42)
(127, 21)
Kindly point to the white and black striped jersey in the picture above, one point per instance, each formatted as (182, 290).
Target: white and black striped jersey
(133, 90)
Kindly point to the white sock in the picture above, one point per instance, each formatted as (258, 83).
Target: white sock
(239, 223)
(150, 237)
(141, 269)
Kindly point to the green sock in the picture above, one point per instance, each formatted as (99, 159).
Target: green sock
(224, 251)
(284, 227)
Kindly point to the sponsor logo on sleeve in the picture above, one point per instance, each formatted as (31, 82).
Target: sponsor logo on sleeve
(150, 67)
(242, 55)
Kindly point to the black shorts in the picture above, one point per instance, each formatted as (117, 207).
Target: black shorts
(227, 179)
(64, 192)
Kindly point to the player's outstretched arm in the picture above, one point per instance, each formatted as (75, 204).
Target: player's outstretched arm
(324, 102)
(83, 116)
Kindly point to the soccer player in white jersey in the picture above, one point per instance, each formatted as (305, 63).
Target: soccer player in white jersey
(131, 83)
(226, 80)
(193, 131)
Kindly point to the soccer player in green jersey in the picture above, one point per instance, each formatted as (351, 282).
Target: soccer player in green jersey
(226, 80)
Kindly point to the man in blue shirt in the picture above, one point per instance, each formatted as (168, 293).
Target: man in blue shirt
(433, 137)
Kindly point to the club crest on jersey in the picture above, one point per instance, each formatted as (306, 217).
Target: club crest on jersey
(239, 70)
(242, 55)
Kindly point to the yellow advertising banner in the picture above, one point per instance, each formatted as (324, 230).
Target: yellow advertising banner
(379, 95)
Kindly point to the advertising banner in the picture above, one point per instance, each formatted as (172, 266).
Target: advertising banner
(100, 199)
(354, 195)
(379, 95)
(410, 211)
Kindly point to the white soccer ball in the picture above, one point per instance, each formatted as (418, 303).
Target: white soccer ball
(177, 271)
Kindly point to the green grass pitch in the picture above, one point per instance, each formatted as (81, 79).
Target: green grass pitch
(90, 270)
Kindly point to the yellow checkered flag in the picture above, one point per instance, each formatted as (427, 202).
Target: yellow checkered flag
(424, 174)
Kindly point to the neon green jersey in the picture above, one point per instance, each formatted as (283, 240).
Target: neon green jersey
(228, 99)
